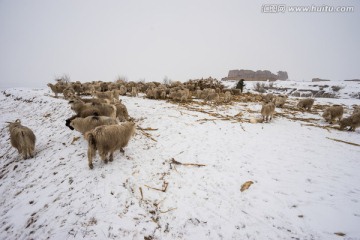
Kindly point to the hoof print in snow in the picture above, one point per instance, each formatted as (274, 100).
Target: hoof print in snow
(246, 185)
(30, 222)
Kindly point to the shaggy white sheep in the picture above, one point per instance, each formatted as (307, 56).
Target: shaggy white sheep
(333, 112)
(306, 103)
(267, 111)
(22, 138)
(107, 139)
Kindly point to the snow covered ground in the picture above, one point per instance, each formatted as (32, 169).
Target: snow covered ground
(305, 184)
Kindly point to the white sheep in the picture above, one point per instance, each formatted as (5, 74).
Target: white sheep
(134, 92)
(212, 96)
(107, 139)
(227, 96)
(333, 112)
(57, 88)
(268, 97)
(280, 101)
(267, 111)
(22, 138)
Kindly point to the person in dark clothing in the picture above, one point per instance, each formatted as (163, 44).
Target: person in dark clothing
(240, 85)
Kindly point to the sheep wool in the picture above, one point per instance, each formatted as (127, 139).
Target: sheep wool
(22, 138)
(107, 139)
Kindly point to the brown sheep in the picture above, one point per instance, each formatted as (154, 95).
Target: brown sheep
(331, 113)
(82, 109)
(306, 103)
(78, 87)
(267, 111)
(22, 138)
(68, 93)
(356, 109)
(123, 90)
(353, 121)
(104, 86)
(107, 139)
(121, 111)
(104, 95)
(84, 125)
(150, 93)
(180, 95)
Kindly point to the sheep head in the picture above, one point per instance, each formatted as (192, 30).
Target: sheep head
(68, 123)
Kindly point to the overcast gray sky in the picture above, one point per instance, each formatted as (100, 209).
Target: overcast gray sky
(182, 39)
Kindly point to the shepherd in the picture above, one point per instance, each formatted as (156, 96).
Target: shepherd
(240, 85)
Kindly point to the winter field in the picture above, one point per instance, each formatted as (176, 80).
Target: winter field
(180, 176)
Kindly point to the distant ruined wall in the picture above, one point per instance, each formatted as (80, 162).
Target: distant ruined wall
(319, 80)
(249, 75)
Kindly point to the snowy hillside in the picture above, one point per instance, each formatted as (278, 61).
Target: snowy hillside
(180, 176)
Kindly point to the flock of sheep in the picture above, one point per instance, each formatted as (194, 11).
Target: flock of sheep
(105, 123)
(330, 113)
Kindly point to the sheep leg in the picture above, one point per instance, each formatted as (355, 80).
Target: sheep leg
(32, 153)
(122, 150)
(104, 157)
(28, 153)
(91, 154)
(111, 157)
